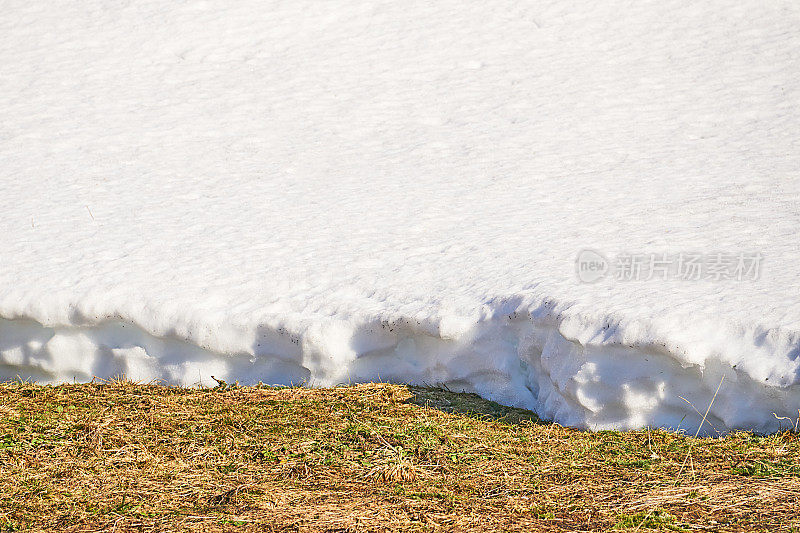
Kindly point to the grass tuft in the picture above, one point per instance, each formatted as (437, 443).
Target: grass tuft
(397, 466)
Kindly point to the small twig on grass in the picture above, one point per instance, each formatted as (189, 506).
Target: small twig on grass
(653, 455)
(796, 422)
(645, 519)
(696, 433)
(698, 412)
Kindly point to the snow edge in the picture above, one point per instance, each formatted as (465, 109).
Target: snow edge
(568, 368)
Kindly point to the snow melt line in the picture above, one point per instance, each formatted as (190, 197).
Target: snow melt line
(521, 362)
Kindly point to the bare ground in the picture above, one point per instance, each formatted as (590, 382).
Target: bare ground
(127, 457)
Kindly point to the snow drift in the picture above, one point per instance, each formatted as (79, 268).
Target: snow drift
(294, 192)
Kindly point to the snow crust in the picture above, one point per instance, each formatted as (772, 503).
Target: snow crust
(302, 192)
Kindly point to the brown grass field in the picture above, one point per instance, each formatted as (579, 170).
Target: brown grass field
(125, 457)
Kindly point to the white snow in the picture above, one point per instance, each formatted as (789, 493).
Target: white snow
(313, 192)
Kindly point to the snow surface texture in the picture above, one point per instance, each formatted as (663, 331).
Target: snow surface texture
(317, 192)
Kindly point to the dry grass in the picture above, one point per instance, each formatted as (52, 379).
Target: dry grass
(124, 457)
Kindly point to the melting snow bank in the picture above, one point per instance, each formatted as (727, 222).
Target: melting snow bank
(577, 372)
